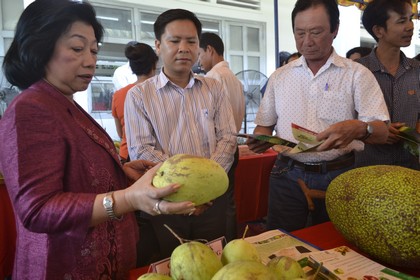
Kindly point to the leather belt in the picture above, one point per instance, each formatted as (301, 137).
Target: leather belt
(322, 166)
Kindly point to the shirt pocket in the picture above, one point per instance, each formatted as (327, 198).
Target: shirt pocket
(209, 130)
(332, 108)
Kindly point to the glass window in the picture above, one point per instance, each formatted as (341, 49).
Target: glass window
(102, 96)
(254, 63)
(236, 63)
(236, 38)
(117, 22)
(146, 26)
(210, 26)
(253, 39)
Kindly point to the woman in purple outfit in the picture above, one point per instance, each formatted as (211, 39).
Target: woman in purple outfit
(74, 211)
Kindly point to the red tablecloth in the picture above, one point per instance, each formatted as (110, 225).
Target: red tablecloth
(7, 233)
(325, 236)
(251, 185)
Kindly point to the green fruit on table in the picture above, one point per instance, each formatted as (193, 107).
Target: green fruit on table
(243, 270)
(202, 179)
(239, 250)
(154, 276)
(377, 208)
(194, 260)
(286, 268)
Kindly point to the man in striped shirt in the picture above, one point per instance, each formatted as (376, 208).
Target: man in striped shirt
(177, 112)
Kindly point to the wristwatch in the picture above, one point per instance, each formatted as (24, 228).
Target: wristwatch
(108, 204)
(369, 131)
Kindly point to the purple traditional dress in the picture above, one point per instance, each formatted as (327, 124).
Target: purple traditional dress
(55, 159)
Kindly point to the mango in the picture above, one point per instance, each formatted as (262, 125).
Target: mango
(242, 270)
(202, 179)
(154, 276)
(377, 208)
(286, 268)
(194, 260)
(239, 250)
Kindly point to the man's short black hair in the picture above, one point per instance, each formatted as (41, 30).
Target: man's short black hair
(331, 7)
(377, 13)
(212, 39)
(171, 15)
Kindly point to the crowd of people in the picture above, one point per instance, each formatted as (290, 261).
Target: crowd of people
(81, 208)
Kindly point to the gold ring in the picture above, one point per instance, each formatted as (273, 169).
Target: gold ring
(156, 207)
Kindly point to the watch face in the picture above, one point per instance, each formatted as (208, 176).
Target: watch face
(369, 129)
(107, 202)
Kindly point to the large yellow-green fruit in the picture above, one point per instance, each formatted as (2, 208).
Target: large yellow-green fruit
(202, 179)
(286, 268)
(154, 276)
(194, 261)
(244, 270)
(239, 250)
(377, 208)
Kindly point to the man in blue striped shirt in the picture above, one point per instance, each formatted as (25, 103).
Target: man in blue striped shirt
(177, 112)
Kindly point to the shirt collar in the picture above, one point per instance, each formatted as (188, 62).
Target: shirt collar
(376, 66)
(163, 81)
(334, 59)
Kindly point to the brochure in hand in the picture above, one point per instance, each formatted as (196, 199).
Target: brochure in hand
(306, 139)
(411, 139)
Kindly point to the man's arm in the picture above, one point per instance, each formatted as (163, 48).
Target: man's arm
(260, 146)
(225, 131)
(340, 134)
(141, 142)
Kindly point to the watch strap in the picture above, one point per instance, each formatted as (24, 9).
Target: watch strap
(368, 132)
(108, 203)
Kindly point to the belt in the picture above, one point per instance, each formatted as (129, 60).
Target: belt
(322, 166)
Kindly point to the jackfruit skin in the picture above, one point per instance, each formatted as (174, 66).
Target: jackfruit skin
(377, 208)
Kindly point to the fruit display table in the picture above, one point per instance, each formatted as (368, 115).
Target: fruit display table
(325, 236)
(251, 185)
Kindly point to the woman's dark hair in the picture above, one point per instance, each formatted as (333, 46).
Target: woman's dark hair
(171, 15)
(363, 51)
(377, 13)
(39, 27)
(142, 58)
(293, 55)
(331, 7)
(213, 40)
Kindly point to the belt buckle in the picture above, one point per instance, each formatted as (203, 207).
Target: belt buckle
(314, 167)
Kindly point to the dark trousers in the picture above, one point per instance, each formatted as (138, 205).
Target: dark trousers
(231, 225)
(287, 205)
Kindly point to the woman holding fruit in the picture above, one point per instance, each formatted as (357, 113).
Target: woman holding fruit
(73, 209)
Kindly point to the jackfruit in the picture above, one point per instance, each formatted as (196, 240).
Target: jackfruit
(377, 208)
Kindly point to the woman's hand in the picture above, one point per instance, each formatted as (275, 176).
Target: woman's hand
(142, 195)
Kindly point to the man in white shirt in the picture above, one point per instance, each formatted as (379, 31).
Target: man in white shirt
(123, 75)
(327, 94)
(212, 62)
